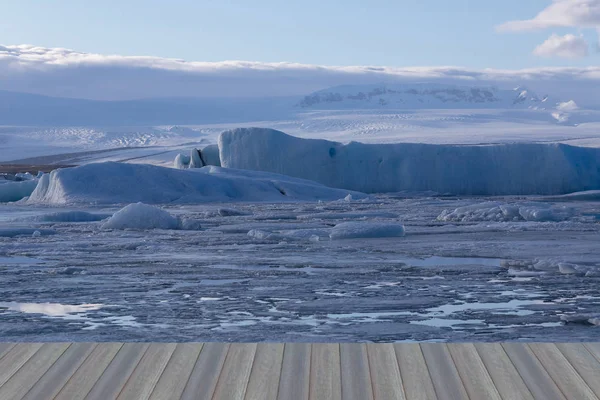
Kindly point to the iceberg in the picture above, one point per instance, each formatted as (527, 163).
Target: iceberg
(366, 230)
(502, 169)
(141, 216)
(119, 183)
(198, 158)
(16, 190)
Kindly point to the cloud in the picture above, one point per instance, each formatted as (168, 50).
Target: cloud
(568, 46)
(567, 106)
(67, 73)
(561, 13)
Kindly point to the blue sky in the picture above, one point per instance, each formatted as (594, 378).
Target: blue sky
(326, 32)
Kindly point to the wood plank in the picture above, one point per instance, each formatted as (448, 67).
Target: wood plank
(584, 363)
(145, 376)
(177, 372)
(472, 371)
(325, 376)
(385, 373)
(15, 358)
(413, 370)
(24, 379)
(205, 375)
(264, 378)
(5, 348)
(294, 382)
(115, 376)
(57, 376)
(534, 374)
(445, 377)
(235, 374)
(504, 374)
(356, 376)
(89, 372)
(594, 349)
(299, 371)
(562, 372)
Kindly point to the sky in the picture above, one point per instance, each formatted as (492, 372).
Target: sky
(153, 48)
(326, 32)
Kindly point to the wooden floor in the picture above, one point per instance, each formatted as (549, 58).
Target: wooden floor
(266, 371)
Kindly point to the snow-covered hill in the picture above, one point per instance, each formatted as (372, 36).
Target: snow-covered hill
(424, 95)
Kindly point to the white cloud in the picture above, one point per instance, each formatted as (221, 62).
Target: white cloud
(567, 46)
(68, 73)
(561, 13)
(567, 106)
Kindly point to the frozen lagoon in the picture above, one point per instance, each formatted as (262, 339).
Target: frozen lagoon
(479, 278)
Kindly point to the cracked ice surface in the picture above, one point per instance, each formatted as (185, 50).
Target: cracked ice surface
(477, 278)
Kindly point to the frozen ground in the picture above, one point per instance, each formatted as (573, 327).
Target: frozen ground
(160, 144)
(485, 269)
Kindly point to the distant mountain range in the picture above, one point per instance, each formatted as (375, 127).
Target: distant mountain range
(424, 96)
(32, 109)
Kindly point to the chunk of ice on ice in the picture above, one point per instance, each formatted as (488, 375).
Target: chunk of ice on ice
(141, 216)
(353, 230)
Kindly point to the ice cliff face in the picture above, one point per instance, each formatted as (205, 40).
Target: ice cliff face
(426, 95)
(377, 168)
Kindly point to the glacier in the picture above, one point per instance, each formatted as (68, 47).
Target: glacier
(500, 169)
(118, 183)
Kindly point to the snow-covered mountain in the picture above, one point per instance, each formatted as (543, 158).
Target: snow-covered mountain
(424, 95)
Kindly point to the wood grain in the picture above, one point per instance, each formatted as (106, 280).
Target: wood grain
(413, 369)
(445, 377)
(325, 376)
(532, 371)
(292, 371)
(584, 363)
(506, 378)
(385, 373)
(60, 372)
(356, 375)
(177, 372)
(264, 378)
(206, 372)
(117, 373)
(236, 370)
(25, 378)
(472, 371)
(146, 374)
(561, 371)
(15, 359)
(88, 373)
(294, 381)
